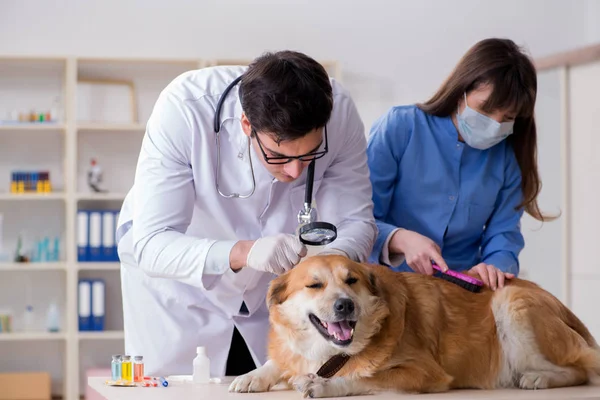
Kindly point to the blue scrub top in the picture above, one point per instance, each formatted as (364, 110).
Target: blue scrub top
(425, 180)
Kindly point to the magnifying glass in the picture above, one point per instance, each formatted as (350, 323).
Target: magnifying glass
(311, 231)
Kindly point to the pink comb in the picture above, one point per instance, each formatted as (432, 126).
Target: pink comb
(462, 277)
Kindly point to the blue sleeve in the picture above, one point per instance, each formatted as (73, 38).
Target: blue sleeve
(502, 240)
(386, 145)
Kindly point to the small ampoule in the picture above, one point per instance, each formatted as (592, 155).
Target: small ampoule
(127, 369)
(138, 368)
(115, 367)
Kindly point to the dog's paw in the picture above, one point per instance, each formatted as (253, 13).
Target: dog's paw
(313, 386)
(250, 383)
(533, 380)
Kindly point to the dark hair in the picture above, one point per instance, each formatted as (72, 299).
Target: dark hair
(512, 75)
(286, 94)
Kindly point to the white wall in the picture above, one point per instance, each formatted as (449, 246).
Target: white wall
(391, 51)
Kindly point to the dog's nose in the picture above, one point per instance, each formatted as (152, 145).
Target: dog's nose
(343, 307)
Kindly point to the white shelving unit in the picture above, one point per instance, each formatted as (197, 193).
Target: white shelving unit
(64, 148)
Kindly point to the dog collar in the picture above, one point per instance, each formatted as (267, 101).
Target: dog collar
(333, 365)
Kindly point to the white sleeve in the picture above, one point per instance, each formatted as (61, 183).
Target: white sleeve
(164, 201)
(344, 196)
(393, 259)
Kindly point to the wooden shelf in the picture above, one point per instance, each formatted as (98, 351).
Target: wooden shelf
(33, 266)
(101, 335)
(101, 196)
(33, 196)
(103, 127)
(98, 266)
(27, 336)
(41, 126)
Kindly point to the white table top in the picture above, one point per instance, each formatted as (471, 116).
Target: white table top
(189, 391)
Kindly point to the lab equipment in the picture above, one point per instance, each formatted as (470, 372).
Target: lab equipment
(311, 231)
(138, 368)
(53, 318)
(30, 182)
(28, 319)
(95, 177)
(217, 128)
(201, 366)
(126, 369)
(6, 321)
(115, 367)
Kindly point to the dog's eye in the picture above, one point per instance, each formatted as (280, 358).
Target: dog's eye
(351, 281)
(316, 285)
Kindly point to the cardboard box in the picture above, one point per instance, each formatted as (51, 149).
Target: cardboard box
(25, 386)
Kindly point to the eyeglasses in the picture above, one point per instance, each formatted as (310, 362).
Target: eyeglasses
(314, 155)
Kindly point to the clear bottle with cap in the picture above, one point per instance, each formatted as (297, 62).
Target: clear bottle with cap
(115, 367)
(201, 366)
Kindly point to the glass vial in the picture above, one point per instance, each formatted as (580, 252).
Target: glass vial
(127, 369)
(138, 368)
(115, 367)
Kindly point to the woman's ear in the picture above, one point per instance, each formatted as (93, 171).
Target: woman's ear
(277, 292)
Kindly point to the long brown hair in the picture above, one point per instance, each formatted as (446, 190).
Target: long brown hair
(501, 64)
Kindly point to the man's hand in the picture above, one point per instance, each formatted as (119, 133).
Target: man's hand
(276, 254)
(418, 251)
(490, 275)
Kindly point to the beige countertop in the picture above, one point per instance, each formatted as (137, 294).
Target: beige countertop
(214, 391)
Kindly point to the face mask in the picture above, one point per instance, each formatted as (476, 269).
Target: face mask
(480, 131)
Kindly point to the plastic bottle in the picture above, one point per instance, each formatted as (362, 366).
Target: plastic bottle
(201, 367)
(28, 319)
(53, 318)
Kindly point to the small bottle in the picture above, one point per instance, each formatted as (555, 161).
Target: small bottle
(28, 319)
(127, 369)
(201, 366)
(138, 368)
(53, 318)
(115, 367)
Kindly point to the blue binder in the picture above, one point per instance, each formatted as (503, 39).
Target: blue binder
(83, 235)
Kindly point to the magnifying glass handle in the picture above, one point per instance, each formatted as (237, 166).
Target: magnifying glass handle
(310, 177)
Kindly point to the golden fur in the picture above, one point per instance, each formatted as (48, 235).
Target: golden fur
(417, 333)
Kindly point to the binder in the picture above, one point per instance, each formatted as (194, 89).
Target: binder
(82, 236)
(108, 236)
(98, 304)
(84, 309)
(95, 238)
(115, 250)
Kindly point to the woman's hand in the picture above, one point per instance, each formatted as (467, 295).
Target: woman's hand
(490, 275)
(418, 251)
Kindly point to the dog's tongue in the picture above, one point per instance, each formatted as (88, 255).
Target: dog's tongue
(342, 328)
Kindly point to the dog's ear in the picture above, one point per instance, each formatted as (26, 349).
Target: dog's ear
(277, 292)
(373, 284)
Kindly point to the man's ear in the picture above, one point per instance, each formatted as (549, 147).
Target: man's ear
(246, 126)
(277, 292)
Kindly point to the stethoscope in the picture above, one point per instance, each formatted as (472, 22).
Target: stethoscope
(310, 231)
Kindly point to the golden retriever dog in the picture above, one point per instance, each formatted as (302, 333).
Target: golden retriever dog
(409, 332)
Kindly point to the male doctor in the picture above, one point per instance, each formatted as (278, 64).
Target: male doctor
(209, 223)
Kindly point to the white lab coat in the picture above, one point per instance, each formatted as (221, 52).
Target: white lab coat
(173, 300)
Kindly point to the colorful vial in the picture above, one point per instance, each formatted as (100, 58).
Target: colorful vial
(127, 369)
(138, 368)
(115, 367)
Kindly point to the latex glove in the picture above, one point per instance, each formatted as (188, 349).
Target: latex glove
(276, 254)
(491, 276)
(418, 251)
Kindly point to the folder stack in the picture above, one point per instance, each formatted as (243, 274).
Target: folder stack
(91, 304)
(96, 235)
